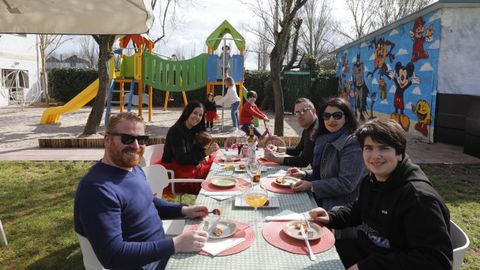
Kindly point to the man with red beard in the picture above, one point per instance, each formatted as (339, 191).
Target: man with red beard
(115, 208)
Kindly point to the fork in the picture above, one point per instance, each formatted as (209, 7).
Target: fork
(309, 230)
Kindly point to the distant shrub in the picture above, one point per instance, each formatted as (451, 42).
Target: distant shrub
(64, 84)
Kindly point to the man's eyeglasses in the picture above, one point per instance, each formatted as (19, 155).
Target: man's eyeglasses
(129, 139)
(335, 115)
(301, 111)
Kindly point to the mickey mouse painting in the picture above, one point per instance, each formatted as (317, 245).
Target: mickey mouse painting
(404, 77)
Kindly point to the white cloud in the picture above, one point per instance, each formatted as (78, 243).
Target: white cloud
(366, 69)
(385, 101)
(408, 106)
(374, 81)
(417, 91)
(435, 16)
(394, 32)
(392, 89)
(402, 51)
(363, 45)
(426, 67)
(372, 57)
(354, 59)
(434, 93)
(435, 45)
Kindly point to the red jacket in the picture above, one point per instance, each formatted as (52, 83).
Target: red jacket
(248, 112)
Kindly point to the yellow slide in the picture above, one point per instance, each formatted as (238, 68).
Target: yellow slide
(52, 115)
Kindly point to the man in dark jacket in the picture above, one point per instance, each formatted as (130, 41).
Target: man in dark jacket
(402, 220)
(302, 154)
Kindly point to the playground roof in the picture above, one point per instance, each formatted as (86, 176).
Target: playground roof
(225, 28)
(75, 17)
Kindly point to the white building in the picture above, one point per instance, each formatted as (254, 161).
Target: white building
(19, 69)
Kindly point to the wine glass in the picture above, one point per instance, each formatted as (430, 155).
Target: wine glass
(253, 171)
(256, 196)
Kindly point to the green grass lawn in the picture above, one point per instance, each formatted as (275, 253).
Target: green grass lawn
(36, 209)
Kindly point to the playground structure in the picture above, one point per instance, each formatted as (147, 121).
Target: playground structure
(146, 69)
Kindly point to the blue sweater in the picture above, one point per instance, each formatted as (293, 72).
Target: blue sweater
(116, 211)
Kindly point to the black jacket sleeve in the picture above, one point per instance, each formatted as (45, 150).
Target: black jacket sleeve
(302, 154)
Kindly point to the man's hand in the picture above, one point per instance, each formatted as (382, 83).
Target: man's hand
(296, 172)
(302, 186)
(268, 155)
(270, 147)
(319, 215)
(190, 241)
(195, 211)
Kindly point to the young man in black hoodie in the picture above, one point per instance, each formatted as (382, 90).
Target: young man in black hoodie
(402, 220)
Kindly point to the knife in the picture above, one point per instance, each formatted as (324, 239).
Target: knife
(310, 252)
(212, 227)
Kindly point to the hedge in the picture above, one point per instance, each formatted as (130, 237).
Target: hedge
(66, 83)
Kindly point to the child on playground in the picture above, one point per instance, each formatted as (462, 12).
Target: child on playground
(249, 111)
(225, 63)
(210, 111)
(231, 98)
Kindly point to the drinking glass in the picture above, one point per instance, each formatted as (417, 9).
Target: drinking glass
(253, 171)
(256, 196)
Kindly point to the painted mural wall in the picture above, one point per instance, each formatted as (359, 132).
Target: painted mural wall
(393, 75)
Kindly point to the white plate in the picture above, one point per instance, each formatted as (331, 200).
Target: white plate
(223, 181)
(292, 229)
(287, 181)
(228, 228)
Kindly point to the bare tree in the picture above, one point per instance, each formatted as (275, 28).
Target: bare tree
(369, 15)
(317, 32)
(281, 21)
(47, 44)
(89, 51)
(389, 11)
(105, 44)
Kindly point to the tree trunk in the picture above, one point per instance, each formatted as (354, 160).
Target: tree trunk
(105, 43)
(275, 69)
(44, 78)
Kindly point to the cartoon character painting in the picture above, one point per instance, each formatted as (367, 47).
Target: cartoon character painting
(361, 89)
(404, 77)
(422, 110)
(382, 88)
(381, 55)
(373, 98)
(419, 35)
(345, 68)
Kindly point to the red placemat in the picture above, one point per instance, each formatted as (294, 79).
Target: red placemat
(274, 235)
(241, 185)
(269, 184)
(243, 231)
(264, 161)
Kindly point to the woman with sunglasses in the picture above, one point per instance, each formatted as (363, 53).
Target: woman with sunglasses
(182, 154)
(337, 164)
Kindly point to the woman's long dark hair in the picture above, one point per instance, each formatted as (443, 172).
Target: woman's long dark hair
(350, 120)
(192, 105)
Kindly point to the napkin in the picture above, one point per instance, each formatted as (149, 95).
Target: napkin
(279, 173)
(216, 246)
(286, 215)
(219, 195)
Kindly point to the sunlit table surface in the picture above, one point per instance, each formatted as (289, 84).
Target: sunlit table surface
(260, 255)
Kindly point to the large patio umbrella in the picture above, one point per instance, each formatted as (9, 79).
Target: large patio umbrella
(75, 16)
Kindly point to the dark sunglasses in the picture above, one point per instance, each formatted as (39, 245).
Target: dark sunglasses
(301, 111)
(129, 139)
(336, 115)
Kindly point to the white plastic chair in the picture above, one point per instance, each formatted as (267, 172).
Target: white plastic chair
(460, 243)
(158, 177)
(152, 154)
(3, 237)
(90, 260)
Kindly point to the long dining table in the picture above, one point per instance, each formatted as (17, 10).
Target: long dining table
(260, 255)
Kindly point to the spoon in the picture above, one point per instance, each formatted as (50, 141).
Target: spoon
(215, 211)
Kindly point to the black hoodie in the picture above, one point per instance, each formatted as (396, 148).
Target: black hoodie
(402, 221)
